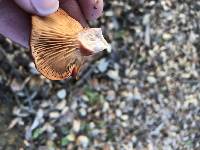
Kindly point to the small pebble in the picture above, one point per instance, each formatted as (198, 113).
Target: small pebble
(85, 98)
(33, 70)
(151, 79)
(105, 106)
(113, 74)
(16, 85)
(124, 117)
(166, 36)
(111, 95)
(103, 65)
(92, 125)
(54, 115)
(61, 94)
(82, 112)
(61, 105)
(76, 125)
(83, 140)
(71, 137)
(134, 139)
(118, 113)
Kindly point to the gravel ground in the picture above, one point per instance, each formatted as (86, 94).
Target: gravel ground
(141, 94)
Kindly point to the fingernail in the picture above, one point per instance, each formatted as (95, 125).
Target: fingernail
(45, 7)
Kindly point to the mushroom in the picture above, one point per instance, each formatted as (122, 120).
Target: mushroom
(60, 45)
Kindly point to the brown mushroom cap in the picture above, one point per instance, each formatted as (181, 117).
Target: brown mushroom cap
(59, 44)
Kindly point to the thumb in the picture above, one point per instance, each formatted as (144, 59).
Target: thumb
(39, 7)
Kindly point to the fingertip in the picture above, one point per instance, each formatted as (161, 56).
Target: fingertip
(45, 7)
(39, 7)
(92, 9)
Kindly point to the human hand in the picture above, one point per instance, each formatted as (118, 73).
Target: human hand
(15, 22)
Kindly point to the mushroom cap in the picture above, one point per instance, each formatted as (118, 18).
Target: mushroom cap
(59, 44)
